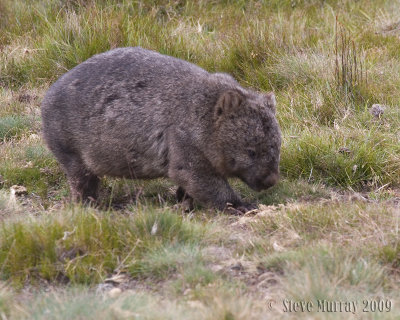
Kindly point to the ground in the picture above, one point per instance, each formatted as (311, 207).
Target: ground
(324, 242)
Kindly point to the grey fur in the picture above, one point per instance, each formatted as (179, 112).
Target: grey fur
(135, 113)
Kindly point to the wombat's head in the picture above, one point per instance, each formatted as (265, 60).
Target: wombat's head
(249, 137)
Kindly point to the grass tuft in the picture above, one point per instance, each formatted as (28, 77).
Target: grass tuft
(14, 127)
(83, 245)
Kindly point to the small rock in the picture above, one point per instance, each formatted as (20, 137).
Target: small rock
(377, 110)
(114, 292)
(18, 190)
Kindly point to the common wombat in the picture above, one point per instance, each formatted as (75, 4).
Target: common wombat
(135, 113)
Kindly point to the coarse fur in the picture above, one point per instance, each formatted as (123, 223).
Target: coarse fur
(135, 113)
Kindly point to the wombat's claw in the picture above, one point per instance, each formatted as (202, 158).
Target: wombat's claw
(230, 209)
(251, 212)
(246, 209)
(91, 199)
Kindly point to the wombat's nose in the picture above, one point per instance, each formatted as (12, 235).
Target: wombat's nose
(271, 180)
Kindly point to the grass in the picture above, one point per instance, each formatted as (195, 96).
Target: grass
(14, 126)
(28, 163)
(78, 303)
(82, 246)
(328, 230)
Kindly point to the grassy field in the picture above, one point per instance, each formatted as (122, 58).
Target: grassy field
(329, 231)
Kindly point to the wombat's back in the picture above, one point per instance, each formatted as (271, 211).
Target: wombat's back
(130, 70)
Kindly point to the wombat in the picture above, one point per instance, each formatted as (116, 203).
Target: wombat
(135, 113)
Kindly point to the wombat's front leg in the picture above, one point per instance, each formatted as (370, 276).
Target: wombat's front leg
(207, 187)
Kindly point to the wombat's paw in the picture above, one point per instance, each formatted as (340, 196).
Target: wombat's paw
(185, 206)
(233, 211)
(240, 209)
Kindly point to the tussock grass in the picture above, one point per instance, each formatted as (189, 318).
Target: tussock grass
(163, 262)
(344, 251)
(358, 158)
(27, 162)
(84, 246)
(14, 126)
(6, 298)
(285, 191)
(77, 303)
(328, 273)
(337, 221)
(8, 205)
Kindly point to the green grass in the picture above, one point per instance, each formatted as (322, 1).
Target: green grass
(14, 126)
(38, 248)
(287, 190)
(314, 237)
(328, 273)
(165, 261)
(78, 303)
(30, 164)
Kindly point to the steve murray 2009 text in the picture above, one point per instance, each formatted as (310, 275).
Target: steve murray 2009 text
(339, 306)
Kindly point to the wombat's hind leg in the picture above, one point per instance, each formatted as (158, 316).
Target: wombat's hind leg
(83, 186)
(185, 199)
(83, 183)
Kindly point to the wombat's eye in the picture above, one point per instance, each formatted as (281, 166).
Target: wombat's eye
(251, 153)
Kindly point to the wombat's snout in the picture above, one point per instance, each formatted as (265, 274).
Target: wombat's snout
(267, 182)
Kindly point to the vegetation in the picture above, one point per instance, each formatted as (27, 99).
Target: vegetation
(329, 230)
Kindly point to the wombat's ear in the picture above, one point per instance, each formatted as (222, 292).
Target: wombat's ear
(271, 101)
(227, 102)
